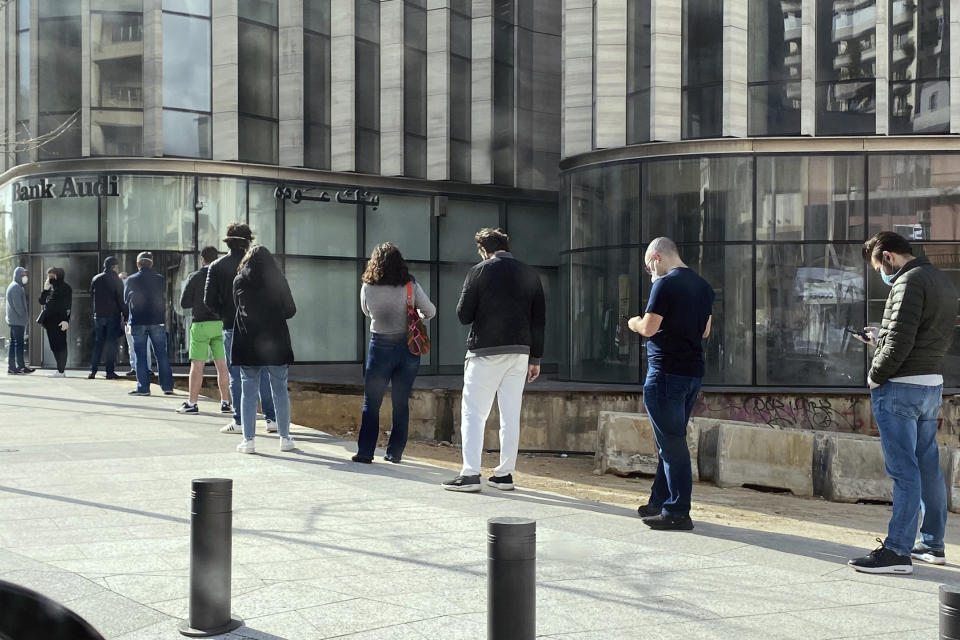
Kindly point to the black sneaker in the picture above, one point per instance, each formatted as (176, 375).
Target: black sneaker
(928, 555)
(112, 376)
(168, 392)
(138, 393)
(883, 560)
(13, 372)
(504, 483)
(648, 510)
(466, 484)
(225, 407)
(392, 459)
(131, 374)
(186, 407)
(27, 370)
(664, 522)
(92, 375)
(362, 459)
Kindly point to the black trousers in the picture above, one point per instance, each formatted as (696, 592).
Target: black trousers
(58, 344)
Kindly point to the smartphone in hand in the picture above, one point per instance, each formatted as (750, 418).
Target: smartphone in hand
(863, 335)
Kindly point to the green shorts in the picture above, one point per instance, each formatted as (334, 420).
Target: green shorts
(206, 337)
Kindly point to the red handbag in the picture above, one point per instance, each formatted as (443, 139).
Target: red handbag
(418, 340)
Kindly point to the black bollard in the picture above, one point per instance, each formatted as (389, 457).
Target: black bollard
(511, 579)
(949, 613)
(211, 522)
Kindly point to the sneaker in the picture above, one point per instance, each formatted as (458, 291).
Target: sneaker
(466, 484)
(246, 446)
(27, 370)
(664, 522)
(186, 407)
(13, 372)
(112, 376)
(169, 392)
(286, 444)
(392, 459)
(135, 392)
(225, 407)
(648, 510)
(57, 374)
(92, 376)
(271, 426)
(883, 560)
(232, 427)
(504, 483)
(362, 459)
(131, 374)
(928, 555)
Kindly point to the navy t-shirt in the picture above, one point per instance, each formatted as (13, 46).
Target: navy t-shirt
(685, 301)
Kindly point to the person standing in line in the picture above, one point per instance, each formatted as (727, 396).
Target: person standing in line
(906, 390)
(145, 297)
(677, 320)
(17, 317)
(107, 290)
(131, 352)
(261, 341)
(57, 301)
(218, 297)
(387, 289)
(206, 337)
(503, 300)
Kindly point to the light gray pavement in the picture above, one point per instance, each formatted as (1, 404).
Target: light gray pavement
(94, 512)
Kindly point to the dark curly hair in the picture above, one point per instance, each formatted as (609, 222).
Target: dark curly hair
(386, 267)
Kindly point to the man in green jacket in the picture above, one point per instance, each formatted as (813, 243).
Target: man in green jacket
(906, 384)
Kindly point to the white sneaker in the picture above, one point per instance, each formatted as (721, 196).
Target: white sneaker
(57, 374)
(271, 426)
(246, 446)
(286, 444)
(232, 427)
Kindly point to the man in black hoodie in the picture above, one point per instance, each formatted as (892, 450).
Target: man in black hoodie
(107, 291)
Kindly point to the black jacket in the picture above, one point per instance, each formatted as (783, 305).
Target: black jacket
(192, 297)
(503, 299)
(264, 304)
(218, 290)
(107, 290)
(56, 302)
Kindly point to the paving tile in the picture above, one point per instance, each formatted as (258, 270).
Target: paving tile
(359, 614)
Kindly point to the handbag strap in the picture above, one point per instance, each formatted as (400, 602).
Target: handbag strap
(410, 295)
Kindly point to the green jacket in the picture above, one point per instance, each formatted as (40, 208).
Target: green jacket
(919, 321)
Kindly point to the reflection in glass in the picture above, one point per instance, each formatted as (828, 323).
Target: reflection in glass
(503, 93)
(321, 229)
(264, 11)
(259, 98)
(915, 196)
(59, 81)
(154, 212)
(367, 99)
(327, 294)
(221, 201)
(316, 85)
(810, 198)
(66, 223)
(806, 295)
(23, 127)
(264, 213)
(698, 199)
(534, 233)
(638, 71)
(457, 229)
(402, 220)
(116, 83)
(919, 66)
(452, 345)
(773, 67)
(186, 134)
(605, 204)
(414, 91)
(846, 67)
(186, 63)
(702, 68)
(196, 7)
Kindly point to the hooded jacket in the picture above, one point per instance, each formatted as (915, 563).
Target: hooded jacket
(57, 302)
(264, 303)
(218, 289)
(192, 296)
(17, 312)
(107, 290)
(144, 295)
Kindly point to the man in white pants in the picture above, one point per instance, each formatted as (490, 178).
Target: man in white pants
(503, 302)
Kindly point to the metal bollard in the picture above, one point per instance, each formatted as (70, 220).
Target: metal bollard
(949, 613)
(511, 579)
(211, 522)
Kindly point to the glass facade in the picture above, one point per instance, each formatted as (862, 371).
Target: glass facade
(919, 66)
(258, 82)
(23, 81)
(316, 84)
(846, 67)
(415, 88)
(187, 104)
(504, 95)
(460, 91)
(59, 76)
(367, 95)
(638, 71)
(778, 237)
(702, 69)
(116, 78)
(773, 67)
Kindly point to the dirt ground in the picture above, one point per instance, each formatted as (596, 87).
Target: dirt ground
(857, 525)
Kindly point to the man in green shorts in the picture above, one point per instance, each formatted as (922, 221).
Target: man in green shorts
(206, 337)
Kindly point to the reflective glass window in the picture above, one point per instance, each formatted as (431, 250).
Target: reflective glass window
(402, 220)
(367, 98)
(116, 82)
(65, 223)
(846, 67)
(460, 95)
(264, 11)
(457, 229)
(919, 66)
(503, 93)
(220, 202)
(321, 229)
(259, 97)
(195, 7)
(186, 63)
(152, 212)
(773, 67)
(259, 140)
(534, 233)
(915, 196)
(316, 84)
(59, 82)
(605, 206)
(316, 16)
(187, 134)
(452, 343)
(638, 71)
(702, 68)
(415, 91)
(810, 198)
(327, 294)
(264, 210)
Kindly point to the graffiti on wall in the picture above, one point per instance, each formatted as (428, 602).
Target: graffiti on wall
(850, 414)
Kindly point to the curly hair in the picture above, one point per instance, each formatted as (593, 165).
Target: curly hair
(386, 267)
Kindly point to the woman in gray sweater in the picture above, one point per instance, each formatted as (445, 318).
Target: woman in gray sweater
(383, 299)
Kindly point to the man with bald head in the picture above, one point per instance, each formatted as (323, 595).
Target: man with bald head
(676, 323)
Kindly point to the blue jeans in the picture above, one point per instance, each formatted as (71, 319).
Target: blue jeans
(15, 355)
(906, 415)
(389, 361)
(251, 379)
(669, 401)
(157, 335)
(105, 332)
(266, 397)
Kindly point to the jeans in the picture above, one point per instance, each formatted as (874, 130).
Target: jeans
(157, 335)
(251, 379)
(906, 415)
(133, 354)
(669, 401)
(15, 356)
(266, 396)
(389, 361)
(105, 332)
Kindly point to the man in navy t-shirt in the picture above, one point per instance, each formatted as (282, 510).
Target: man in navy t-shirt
(677, 321)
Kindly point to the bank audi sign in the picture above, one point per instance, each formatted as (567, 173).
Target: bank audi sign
(66, 187)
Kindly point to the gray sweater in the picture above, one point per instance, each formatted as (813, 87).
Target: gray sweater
(17, 301)
(386, 306)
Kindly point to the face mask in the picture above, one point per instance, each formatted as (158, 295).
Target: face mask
(23, 280)
(654, 277)
(887, 278)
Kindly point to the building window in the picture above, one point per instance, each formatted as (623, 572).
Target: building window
(919, 66)
(59, 80)
(186, 79)
(846, 67)
(460, 91)
(504, 149)
(702, 69)
(116, 78)
(415, 89)
(367, 101)
(773, 67)
(23, 81)
(316, 84)
(638, 71)
(258, 82)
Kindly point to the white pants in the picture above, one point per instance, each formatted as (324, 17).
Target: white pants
(484, 377)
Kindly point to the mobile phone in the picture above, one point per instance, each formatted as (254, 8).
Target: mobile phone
(859, 333)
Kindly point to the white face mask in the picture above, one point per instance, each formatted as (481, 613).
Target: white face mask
(23, 280)
(654, 277)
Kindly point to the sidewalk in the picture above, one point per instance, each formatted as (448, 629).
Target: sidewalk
(94, 512)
